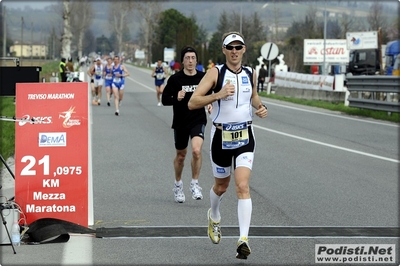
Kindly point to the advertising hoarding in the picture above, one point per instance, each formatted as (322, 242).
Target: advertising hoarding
(362, 40)
(336, 51)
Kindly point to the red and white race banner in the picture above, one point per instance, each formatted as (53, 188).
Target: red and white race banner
(51, 151)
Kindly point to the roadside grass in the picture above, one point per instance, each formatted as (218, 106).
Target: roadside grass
(48, 69)
(340, 107)
(7, 128)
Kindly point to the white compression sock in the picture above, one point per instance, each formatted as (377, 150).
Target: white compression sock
(245, 208)
(215, 201)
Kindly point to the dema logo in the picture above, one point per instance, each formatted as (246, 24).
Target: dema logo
(53, 139)
(220, 170)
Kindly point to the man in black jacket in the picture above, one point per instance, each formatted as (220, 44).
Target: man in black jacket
(186, 123)
(262, 74)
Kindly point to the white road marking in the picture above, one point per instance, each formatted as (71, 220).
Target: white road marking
(328, 145)
(143, 85)
(333, 115)
(78, 250)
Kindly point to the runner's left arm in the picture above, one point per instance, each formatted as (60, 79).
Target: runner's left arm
(256, 101)
(126, 72)
(166, 73)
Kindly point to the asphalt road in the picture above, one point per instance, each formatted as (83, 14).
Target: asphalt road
(314, 171)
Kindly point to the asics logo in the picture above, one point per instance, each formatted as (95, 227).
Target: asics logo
(235, 127)
(35, 120)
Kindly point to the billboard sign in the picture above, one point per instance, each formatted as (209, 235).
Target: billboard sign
(139, 54)
(362, 40)
(335, 51)
(169, 54)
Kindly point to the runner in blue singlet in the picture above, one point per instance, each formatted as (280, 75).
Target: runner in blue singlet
(118, 83)
(108, 77)
(160, 74)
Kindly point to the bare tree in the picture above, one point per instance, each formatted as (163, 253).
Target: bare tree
(393, 29)
(66, 36)
(81, 18)
(312, 29)
(345, 24)
(118, 14)
(376, 17)
(150, 13)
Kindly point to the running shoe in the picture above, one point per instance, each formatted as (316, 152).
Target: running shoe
(108, 104)
(117, 112)
(98, 102)
(158, 104)
(94, 102)
(179, 195)
(214, 229)
(196, 191)
(243, 249)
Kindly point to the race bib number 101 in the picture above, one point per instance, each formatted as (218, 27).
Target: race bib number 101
(234, 135)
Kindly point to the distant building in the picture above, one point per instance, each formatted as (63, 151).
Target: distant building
(279, 28)
(28, 50)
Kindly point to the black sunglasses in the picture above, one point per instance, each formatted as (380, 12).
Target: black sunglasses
(237, 47)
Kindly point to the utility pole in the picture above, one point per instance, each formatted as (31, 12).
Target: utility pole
(22, 35)
(241, 19)
(31, 42)
(4, 32)
(324, 63)
(381, 71)
(40, 44)
(53, 42)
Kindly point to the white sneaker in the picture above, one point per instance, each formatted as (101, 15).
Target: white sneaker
(117, 112)
(196, 191)
(158, 104)
(179, 195)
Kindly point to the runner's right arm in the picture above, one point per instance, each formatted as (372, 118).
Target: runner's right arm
(169, 97)
(90, 71)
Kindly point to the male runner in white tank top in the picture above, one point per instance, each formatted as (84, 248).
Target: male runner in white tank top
(232, 135)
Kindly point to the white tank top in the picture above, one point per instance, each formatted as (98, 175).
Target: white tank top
(235, 108)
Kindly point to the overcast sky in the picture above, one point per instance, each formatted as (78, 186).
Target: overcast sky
(22, 4)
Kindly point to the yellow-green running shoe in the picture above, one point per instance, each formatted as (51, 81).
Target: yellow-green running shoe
(243, 249)
(214, 230)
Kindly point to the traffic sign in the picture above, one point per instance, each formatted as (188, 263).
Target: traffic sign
(269, 51)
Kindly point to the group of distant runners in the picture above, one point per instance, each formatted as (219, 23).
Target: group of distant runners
(111, 73)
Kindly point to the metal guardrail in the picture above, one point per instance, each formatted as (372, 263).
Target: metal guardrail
(374, 92)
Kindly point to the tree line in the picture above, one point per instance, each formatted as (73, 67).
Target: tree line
(160, 28)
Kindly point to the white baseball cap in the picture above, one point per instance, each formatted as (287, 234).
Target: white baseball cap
(98, 59)
(231, 38)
